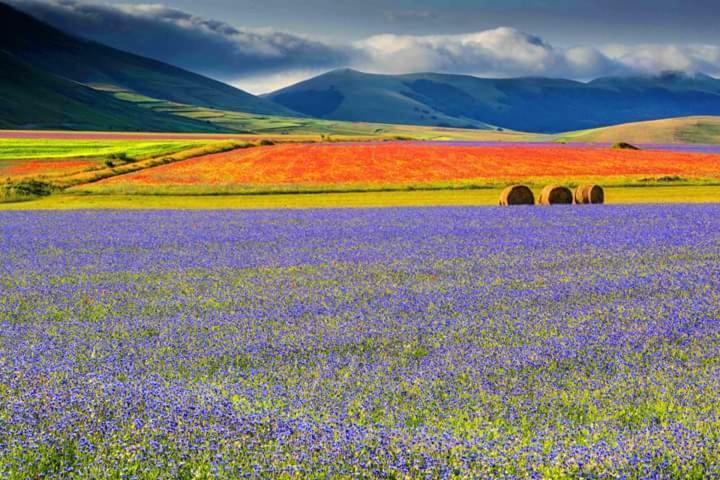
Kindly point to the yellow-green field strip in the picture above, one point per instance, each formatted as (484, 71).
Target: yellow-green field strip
(614, 195)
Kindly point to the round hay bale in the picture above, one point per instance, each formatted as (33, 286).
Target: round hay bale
(589, 195)
(517, 195)
(556, 195)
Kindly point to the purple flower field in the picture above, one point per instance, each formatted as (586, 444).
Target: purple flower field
(389, 343)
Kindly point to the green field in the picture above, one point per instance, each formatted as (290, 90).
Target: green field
(695, 130)
(18, 149)
(119, 156)
(619, 195)
(249, 123)
(52, 165)
(131, 188)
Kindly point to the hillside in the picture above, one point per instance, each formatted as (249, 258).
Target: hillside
(672, 130)
(524, 104)
(355, 96)
(53, 51)
(281, 126)
(32, 99)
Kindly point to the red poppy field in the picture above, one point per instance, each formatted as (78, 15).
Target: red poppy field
(35, 168)
(378, 165)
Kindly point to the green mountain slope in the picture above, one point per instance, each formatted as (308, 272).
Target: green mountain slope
(696, 130)
(523, 104)
(274, 125)
(32, 99)
(51, 50)
(354, 96)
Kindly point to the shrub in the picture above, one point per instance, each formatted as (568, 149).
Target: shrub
(24, 190)
(625, 146)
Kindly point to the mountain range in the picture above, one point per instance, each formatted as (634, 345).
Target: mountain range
(51, 79)
(526, 104)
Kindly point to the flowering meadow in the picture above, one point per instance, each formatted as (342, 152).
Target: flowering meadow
(34, 168)
(395, 164)
(577, 342)
(44, 155)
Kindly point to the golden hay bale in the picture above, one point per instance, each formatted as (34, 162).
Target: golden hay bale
(556, 195)
(517, 195)
(589, 194)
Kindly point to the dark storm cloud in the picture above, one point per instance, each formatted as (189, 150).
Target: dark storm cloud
(205, 45)
(262, 59)
(411, 16)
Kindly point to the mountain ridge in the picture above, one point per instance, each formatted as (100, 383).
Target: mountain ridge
(84, 61)
(533, 104)
(33, 99)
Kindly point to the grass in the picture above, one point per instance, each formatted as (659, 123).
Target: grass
(88, 177)
(473, 185)
(694, 130)
(277, 125)
(481, 197)
(33, 148)
(37, 99)
(123, 158)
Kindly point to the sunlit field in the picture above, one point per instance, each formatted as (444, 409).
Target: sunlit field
(372, 166)
(37, 158)
(386, 199)
(62, 147)
(567, 342)
(342, 240)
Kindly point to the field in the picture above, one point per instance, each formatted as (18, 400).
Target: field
(391, 343)
(374, 199)
(74, 147)
(402, 165)
(278, 125)
(32, 167)
(122, 170)
(47, 156)
(10, 169)
(684, 130)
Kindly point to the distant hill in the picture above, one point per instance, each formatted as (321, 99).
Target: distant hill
(46, 75)
(354, 96)
(32, 99)
(53, 51)
(672, 130)
(277, 125)
(540, 105)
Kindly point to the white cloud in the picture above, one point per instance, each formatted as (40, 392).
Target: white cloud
(263, 59)
(205, 45)
(502, 51)
(658, 58)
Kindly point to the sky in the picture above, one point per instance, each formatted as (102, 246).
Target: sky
(263, 45)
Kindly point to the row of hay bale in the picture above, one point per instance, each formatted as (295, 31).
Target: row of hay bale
(553, 195)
